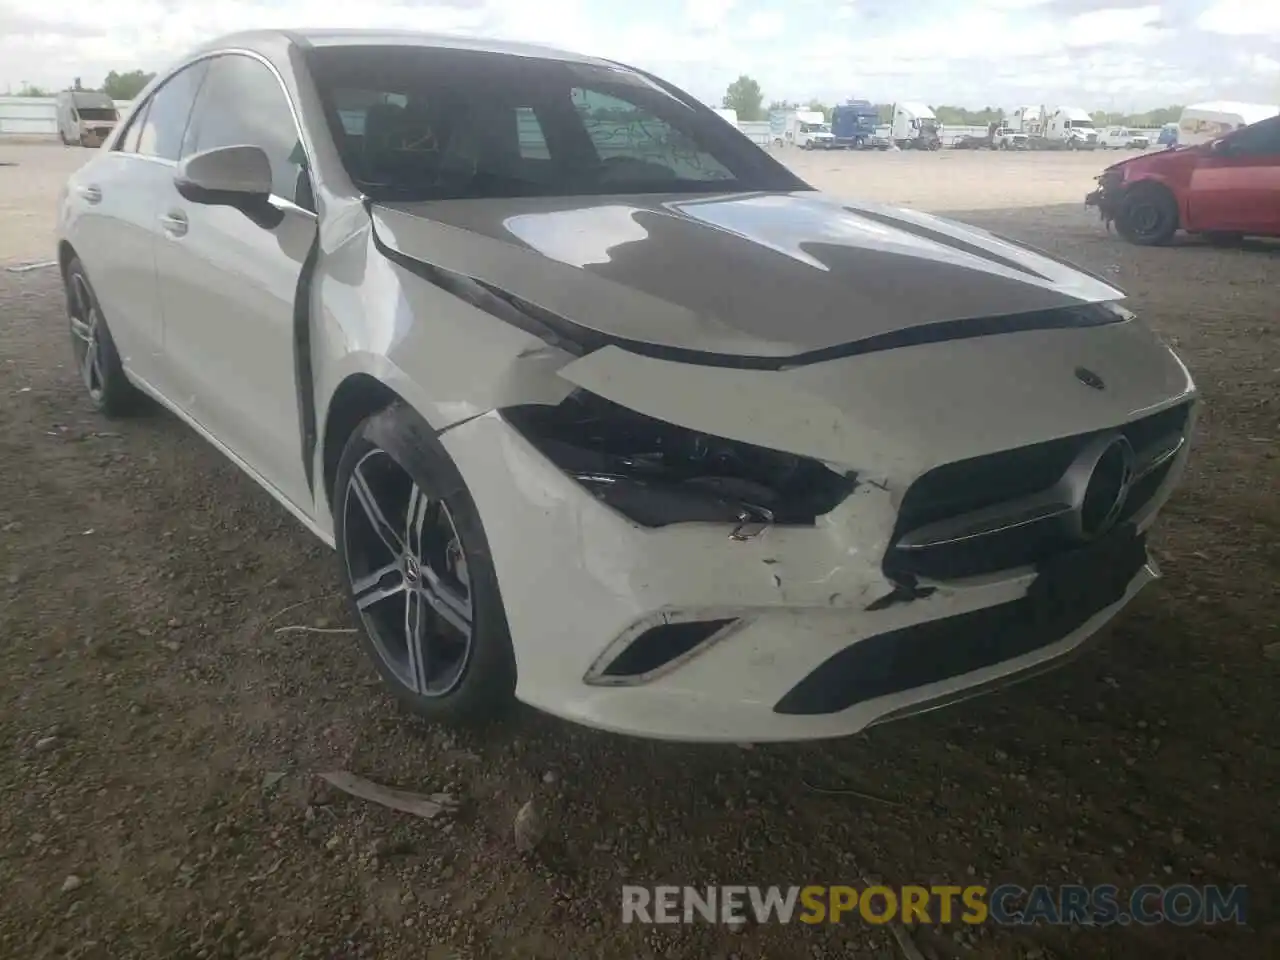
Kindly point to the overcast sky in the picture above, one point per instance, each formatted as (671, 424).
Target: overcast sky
(1097, 54)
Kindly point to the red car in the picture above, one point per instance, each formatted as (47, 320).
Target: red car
(1224, 190)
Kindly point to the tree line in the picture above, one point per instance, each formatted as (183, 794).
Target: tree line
(117, 86)
(746, 98)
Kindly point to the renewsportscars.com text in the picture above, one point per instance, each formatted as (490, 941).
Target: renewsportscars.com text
(1007, 904)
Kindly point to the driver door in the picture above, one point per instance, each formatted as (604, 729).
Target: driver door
(1236, 187)
(227, 286)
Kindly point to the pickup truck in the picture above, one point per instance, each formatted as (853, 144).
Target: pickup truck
(1007, 138)
(1122, 138)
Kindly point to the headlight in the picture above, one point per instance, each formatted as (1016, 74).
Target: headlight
(656, 473)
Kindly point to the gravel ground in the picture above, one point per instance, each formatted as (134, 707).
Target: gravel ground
(162, 734)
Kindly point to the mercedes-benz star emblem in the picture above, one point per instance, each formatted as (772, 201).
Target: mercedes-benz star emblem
(412, 570)
(1090, 379)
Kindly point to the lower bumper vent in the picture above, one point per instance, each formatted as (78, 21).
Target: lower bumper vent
(659, 645)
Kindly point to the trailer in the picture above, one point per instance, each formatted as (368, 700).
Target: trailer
(1203, 122)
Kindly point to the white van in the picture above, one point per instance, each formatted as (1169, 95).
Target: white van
(85, 117)
(1203, 122)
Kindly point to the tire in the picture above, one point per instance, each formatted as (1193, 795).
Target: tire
(461, 670)
(1148, 215)
(94, 349)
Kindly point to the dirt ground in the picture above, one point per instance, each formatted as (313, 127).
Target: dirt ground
(162, 730)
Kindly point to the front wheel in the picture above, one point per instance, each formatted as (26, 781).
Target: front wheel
(1148, 215)
(418, 572)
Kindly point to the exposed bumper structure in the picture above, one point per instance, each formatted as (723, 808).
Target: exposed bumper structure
(1107, 197)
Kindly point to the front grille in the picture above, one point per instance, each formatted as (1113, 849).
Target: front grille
(997, 484)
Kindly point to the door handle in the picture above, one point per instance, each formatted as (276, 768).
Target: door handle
(174, 223)
(90, 193)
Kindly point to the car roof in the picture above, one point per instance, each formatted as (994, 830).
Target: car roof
(352, 37)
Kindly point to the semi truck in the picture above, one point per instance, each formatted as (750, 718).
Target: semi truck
(914, 127)
(1062, 128)
(854, 123)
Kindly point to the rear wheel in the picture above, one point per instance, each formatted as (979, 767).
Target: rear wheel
(1148, 215)
(418, 572)
(96, 357)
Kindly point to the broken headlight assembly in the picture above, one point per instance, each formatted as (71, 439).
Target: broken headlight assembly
(656, 473)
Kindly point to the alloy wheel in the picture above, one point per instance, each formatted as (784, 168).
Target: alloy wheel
(86, 337)
(408, 576)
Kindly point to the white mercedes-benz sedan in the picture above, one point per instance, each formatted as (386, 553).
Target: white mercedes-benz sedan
(604, 409)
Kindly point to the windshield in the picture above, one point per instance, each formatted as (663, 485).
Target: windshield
(96, 113)
(815, 128)
(431, 123)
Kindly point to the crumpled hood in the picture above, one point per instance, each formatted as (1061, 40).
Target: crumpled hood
(747, 274)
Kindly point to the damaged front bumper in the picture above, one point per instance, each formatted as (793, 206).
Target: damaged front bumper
(697, 630)
(682, 633)
(1107, 197)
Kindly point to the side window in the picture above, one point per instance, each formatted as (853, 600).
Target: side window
(166, 115)
(240, 103)
(621, 129)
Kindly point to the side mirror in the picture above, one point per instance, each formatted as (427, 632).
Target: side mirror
(238, 176)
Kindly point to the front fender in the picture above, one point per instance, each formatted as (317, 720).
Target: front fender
(447, 359)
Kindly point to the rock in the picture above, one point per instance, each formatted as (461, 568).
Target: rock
(1272, 651)
(271, 778)
(1176, 836)
(529, 828)
(71, 883)
(46, 743)
(550, 777)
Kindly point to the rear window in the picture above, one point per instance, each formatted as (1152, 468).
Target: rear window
(97, 113)
(430, 123)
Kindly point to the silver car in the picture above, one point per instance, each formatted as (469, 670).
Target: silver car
(602, 407)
